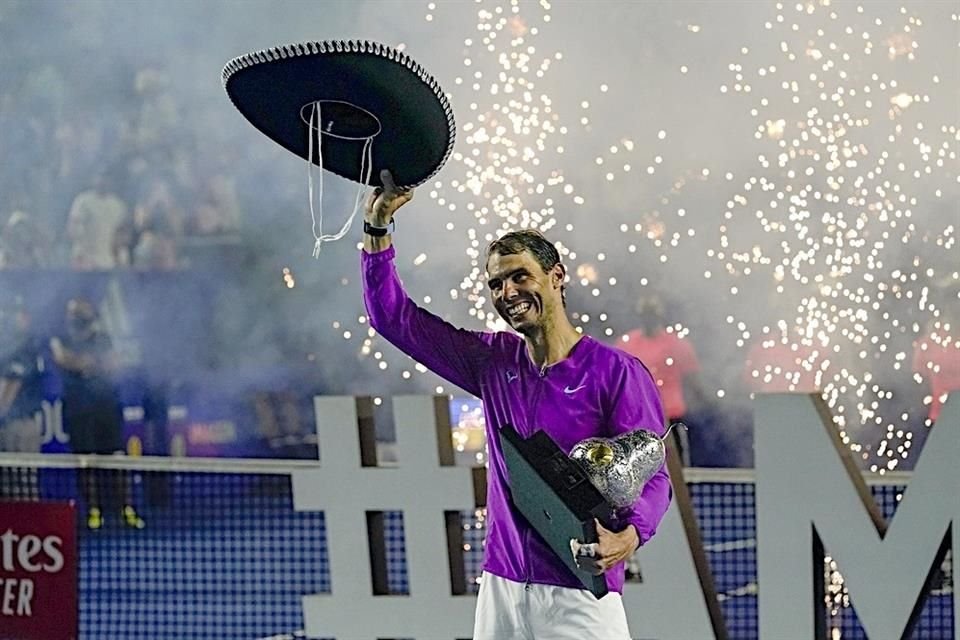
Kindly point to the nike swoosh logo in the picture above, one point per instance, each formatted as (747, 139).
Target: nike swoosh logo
(511, 376)
(567, 390)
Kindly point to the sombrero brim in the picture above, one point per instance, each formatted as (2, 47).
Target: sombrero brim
(416, 125)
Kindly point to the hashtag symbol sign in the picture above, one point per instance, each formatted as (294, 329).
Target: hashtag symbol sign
(425, 486)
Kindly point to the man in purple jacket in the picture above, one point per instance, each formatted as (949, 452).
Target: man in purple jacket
(548, 377)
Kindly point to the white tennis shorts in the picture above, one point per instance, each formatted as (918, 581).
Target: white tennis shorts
(508, 610)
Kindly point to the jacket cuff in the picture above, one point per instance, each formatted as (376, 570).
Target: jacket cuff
(643, 532)
(380, 256)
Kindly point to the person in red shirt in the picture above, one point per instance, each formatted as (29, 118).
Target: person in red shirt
(936, 359)
(780, 362)
(673, 362)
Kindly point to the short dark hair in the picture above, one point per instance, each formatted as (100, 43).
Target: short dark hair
(543, 251)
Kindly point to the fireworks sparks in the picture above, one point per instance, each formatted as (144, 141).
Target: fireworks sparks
(846, 185)
(828, 239)
(288, 280)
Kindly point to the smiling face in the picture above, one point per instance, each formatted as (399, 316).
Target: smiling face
(525, 295)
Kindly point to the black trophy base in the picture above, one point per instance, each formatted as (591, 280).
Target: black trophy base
(555, 496)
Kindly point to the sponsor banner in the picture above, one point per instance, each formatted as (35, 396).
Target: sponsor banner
(38, 571)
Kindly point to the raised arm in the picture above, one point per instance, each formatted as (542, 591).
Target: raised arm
(457, 355)
(70, 360)
(381, 207)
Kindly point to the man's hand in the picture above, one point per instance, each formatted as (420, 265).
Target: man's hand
(384, 201)
(84, 364)
(609, 550)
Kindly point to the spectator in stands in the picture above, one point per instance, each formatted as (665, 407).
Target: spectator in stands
(158, 121)
(218, 208)
(157, 224)
(91, 411)
(24, 242)
(155, 246)
(21, 370)
(80, 144)
(94, 219)
(673, 362)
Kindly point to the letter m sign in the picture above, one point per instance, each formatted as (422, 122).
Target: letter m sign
(811, 496)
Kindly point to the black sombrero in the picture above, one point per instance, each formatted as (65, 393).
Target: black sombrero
(358, 90)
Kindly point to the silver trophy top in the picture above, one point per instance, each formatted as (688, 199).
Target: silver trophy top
(619, 467)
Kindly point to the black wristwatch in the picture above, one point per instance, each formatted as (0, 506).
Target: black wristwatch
(378, 232)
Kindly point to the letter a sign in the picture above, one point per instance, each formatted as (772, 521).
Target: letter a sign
(38, 571)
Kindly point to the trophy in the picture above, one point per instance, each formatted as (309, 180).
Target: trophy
(561, 495)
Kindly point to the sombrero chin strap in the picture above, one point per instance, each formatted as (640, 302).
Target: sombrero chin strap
(316, 212)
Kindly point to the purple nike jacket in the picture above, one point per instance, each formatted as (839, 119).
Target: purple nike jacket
(596, 391)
